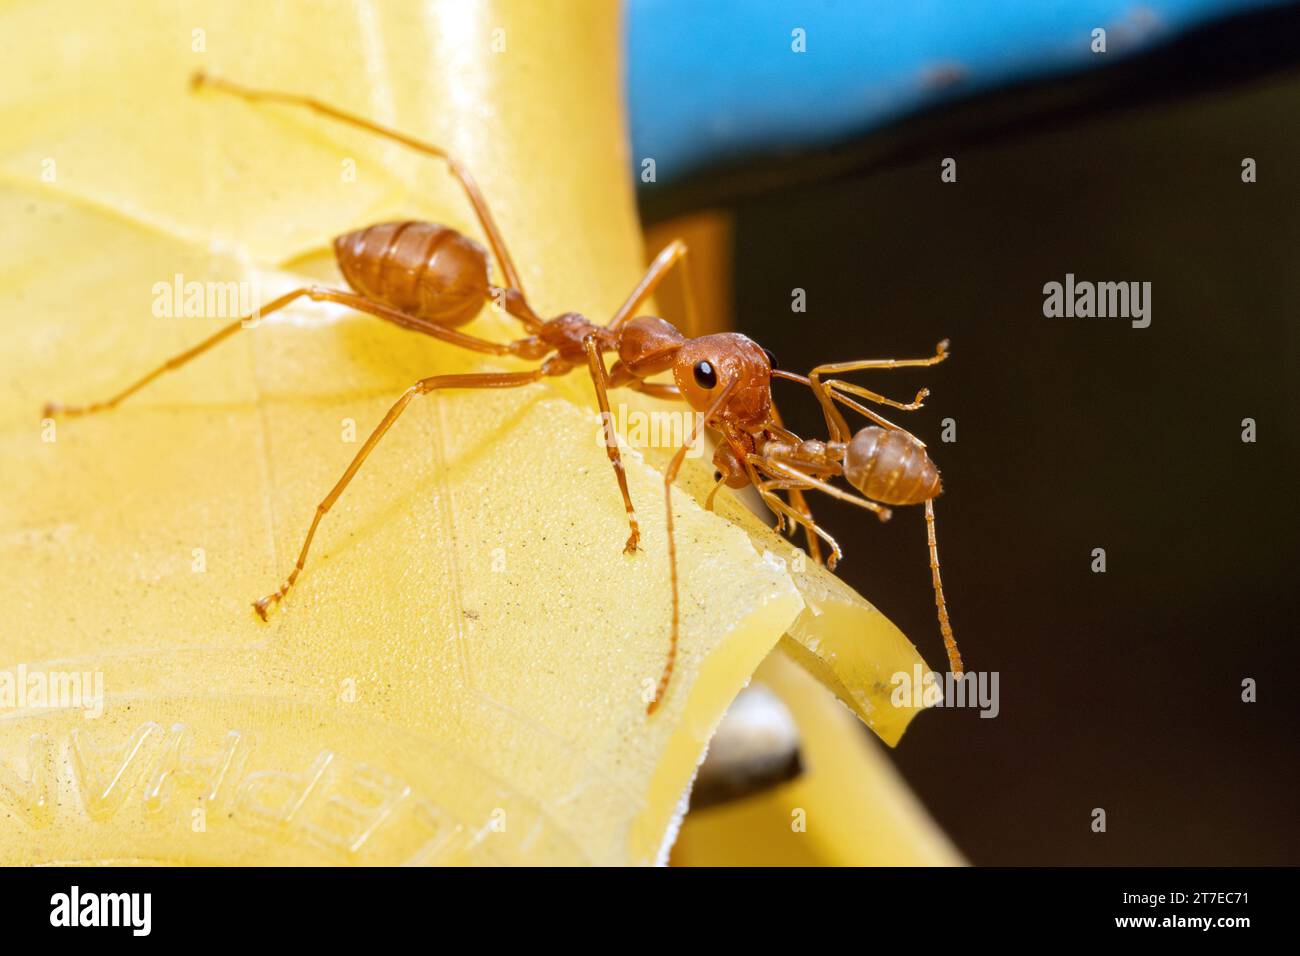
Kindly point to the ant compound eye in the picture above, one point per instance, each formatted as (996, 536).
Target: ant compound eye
(771, 359)
(705, 375)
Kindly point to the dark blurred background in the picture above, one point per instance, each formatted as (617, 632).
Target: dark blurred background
(1120, 690)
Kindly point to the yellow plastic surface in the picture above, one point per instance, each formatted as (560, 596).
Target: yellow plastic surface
(849, 807)
(459, 675)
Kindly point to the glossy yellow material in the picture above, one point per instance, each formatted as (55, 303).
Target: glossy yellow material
(460, 674)
(848, 808)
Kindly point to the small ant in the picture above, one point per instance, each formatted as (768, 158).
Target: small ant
(429, 278)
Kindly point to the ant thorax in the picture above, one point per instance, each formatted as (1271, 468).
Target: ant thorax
(566, 333)
(817, 457)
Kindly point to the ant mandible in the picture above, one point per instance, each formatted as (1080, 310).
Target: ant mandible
(430, 279)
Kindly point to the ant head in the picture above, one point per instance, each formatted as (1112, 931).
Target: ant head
(703, 367)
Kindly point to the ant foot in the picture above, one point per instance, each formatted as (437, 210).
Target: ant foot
(633, 543)
(834, 558)
(884, 514)
(262, 605)
(59, 410)
(941, 350)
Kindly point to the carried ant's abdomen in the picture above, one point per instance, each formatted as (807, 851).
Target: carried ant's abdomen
(890, 466)
(421, 268)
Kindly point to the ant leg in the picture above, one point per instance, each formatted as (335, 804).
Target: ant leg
(834, 419)
(801, 503)
(670, 475)
(600, 377)
(175, 362)
(200, 79)
(945, 626)
(662, 390)
(520, 348)
(940, 354)
(779, 509)
(668, 257)
(837, 426)
(779, 469)
(513, 302)
(317, 294)
(811, 528)
(713, 492)
(422, 387)
(794, 482)
(913, 405)
(834, 385)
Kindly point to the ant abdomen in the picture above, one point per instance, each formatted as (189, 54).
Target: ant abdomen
(420, 268)
(890, 466)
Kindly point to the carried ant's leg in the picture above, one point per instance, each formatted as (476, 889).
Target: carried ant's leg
(945, 626)
(811, 528)
(880, 420)
(317, 294)
(670, 475)
(600, 377)
(834, 420)
(800, 503)
(777, 469)
(422, 387)
(200, 79)
(663, 263)
(783, 484)
(792, 481)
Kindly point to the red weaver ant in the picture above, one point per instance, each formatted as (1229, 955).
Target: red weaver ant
(430, 279)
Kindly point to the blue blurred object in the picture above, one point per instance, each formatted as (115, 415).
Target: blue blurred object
(718, 81)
